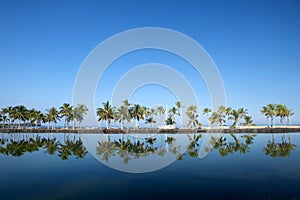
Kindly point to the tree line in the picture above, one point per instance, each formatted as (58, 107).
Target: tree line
(19, 116)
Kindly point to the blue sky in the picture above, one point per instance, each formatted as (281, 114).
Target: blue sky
(255, 45)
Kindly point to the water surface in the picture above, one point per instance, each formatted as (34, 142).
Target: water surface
(219, 166)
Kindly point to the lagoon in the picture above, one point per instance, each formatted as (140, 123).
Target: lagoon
(150, 166)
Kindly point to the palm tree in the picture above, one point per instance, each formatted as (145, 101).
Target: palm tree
(66, 112)
(172, 112)
(248, 121)
(206, 112)
(37, 117)
(52, 116)
(151, 121)
(280, 111)
(4, 117)
(192, 114)
(121, 115)
(137, 113)
(289, 113)
(169, 121)
(160, 111)
(150, 116)
(8, 112)
(19, 114)
(80, 112)
(269, 112)
(218, 117)
(234, 115)
(242, 112)
(179, 106)
(106, 113)
(127, 105)
(227, 110)
(30, 116)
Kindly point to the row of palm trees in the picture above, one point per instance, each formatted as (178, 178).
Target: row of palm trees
(219, 117)
(277, 110)
(21, 117)
(240, 116)
(129, 111)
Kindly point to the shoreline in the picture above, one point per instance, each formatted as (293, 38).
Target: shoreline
(253, 129)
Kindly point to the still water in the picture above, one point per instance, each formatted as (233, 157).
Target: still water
(161, 166)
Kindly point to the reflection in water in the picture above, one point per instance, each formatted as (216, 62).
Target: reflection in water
(226, 145)
(282, 149)
(129, 148)
(18, 144)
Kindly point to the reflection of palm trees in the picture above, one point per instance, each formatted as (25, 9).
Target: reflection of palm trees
(18, 147)
(64, 152)
(106, 148)
(249, 138)
(282, 149)
(128, 150)
(51, 145)
(192, 146)
(225, 148)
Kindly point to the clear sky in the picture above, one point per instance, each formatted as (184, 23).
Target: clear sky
(255, 45)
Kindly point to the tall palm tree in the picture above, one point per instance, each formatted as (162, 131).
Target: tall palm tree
(192, 114)
(151, 121)
(19, 114)
(179, 106)
(80, 112)
(169, 121)
(37, 117)
(289, 113)
(160, 111)
(269, 112)
(234, 115)
(227, 110)
(242, 113)
(248, 121)
(206, 112)
(53, 116)
(280, 111)
(172, 112)
(218, 117)
(121, 115)
(127, 105)
(137, 113)
(150, 116)
(9, 112)
(4, 116)
(106, 113)
(66, 111)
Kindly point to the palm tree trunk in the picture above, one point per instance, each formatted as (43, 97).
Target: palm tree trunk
(19, 124)
(122, 126)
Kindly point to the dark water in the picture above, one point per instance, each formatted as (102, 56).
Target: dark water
(240, 166)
